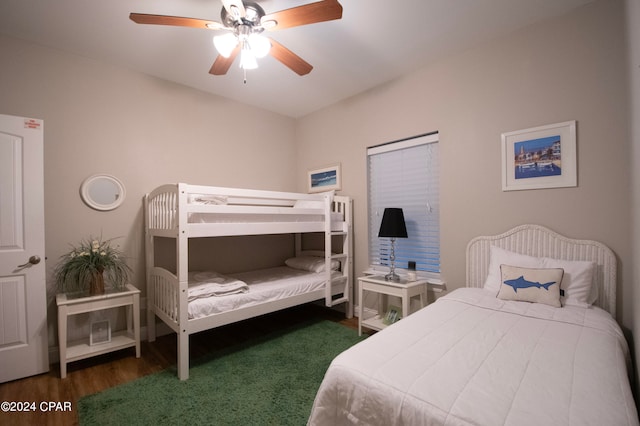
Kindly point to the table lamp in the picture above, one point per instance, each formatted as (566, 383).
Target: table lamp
(393, 227)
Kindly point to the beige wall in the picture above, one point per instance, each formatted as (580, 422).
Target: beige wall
(101, 118)
(632, 13)
(147, 132)
(571, 68)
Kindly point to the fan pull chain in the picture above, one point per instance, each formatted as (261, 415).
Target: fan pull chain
(245, 75)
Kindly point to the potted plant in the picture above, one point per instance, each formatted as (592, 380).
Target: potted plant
(87, 267)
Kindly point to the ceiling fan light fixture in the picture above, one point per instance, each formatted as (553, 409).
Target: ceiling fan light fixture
(248, 59)
(259, 45)
(225, 43)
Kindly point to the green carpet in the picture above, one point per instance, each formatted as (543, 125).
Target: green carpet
(270, 381)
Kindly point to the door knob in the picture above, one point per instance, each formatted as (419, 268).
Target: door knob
(33, 260)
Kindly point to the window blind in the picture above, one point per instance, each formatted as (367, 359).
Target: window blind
(406, 174)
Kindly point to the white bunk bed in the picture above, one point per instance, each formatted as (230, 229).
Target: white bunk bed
(182, 212)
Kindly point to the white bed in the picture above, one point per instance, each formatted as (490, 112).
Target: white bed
(472, 358)
(181, 212)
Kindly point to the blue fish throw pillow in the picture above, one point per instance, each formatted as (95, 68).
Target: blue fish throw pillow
(531, 285)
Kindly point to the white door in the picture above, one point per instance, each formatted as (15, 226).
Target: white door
(23, 305)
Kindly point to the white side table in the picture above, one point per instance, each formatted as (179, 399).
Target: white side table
(70, 304)
(377, 284)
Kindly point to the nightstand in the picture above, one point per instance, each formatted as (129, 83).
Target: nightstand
(377, 284)
(73, 304)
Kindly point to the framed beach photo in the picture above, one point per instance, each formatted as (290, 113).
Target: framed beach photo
(100, 332)
(540, 157)
(325, 179)
(392, 315)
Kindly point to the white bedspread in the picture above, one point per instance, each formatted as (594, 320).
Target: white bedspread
(472, 359)
(208, 284)
(264, 285)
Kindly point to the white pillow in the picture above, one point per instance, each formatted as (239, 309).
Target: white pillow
(310, 263)
(500, 256)
(537, 285)
(577, 284)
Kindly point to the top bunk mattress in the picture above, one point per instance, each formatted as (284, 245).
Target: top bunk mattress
(227, 212)
(264, 285)
(259, 218)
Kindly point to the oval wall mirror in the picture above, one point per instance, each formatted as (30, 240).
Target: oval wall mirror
(102, 192)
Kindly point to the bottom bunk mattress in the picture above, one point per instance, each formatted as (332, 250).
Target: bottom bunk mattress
(251, 288)
(473, 359)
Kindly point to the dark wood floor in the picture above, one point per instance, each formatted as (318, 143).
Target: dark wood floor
(102, 372)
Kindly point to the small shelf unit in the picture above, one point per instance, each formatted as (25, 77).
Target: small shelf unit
(70, 304)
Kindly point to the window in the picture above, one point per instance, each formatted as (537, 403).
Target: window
(406, 174)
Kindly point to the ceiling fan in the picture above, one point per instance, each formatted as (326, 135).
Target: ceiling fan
(244, 22)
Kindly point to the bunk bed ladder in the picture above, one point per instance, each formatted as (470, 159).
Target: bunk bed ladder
(344, 257)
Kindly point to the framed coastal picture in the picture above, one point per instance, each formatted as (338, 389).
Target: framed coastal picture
(325, 179)
(392, 315)
(100, 332)
(540, 157)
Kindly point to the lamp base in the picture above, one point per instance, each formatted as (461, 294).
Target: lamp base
(392, 277)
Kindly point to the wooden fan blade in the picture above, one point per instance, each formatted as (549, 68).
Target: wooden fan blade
(178, 21)
(321, 11)
(234, 8)
(222, 64)
(290, 59)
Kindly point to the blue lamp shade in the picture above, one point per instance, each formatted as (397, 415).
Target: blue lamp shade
(393, 225)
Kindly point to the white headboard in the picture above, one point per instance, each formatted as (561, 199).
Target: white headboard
(538, 241)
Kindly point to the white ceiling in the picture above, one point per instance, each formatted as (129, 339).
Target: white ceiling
(374, 42)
